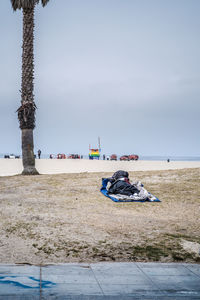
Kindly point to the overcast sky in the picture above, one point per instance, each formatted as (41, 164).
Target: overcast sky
(125, 70)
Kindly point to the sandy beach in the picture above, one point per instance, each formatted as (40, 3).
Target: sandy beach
(52, 218)
(10, 167)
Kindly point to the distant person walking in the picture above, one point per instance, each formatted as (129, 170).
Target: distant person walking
(39, 153)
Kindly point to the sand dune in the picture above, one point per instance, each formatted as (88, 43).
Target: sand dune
(10, 167)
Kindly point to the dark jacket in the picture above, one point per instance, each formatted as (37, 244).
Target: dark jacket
(122, 187)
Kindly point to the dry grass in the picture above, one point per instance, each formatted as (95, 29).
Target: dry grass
(64, 218)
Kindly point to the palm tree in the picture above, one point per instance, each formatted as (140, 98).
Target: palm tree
(26, 112)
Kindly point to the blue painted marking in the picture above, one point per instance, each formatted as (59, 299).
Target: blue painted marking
(15, 280)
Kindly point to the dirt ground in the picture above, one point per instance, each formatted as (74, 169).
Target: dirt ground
(64, 218)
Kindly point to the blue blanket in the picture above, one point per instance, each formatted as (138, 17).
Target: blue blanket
(104, 191)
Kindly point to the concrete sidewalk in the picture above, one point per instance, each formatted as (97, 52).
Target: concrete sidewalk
(101, 281)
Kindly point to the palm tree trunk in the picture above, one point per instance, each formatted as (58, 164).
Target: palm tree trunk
(28, 153)
(26, 112)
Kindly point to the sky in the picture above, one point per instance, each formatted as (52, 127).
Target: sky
(127, 71)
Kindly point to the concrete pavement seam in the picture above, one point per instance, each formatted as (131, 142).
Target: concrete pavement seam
(96, 280)
(191, 271)
(149, 278)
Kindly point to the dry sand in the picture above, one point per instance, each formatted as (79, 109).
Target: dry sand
(58, 166)
(65, 218)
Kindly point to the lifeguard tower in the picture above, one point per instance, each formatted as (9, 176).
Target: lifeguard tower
(94, 153)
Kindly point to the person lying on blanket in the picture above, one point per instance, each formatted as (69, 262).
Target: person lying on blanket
(120, 184)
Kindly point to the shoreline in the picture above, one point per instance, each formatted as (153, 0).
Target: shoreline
(10, 167)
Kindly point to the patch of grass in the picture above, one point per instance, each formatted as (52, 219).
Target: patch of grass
(22, 229)
(180, 255)
(102, 242)
(13, 228)
(46, 249)
(152, 252)
(180, 236)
